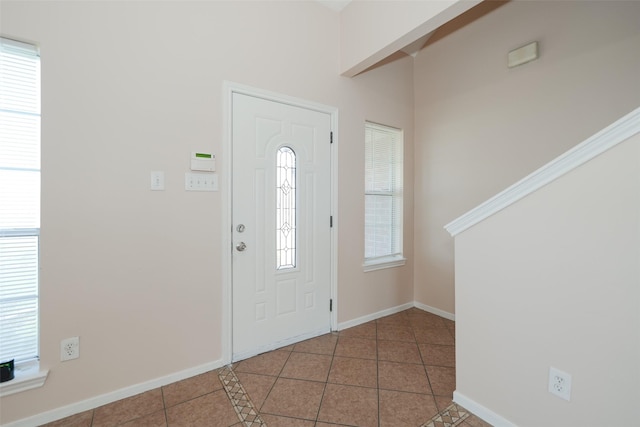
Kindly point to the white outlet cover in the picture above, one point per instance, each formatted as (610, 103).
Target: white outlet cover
(69, 349)
(560, 383)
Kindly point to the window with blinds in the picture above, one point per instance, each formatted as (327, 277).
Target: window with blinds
(383, 196)
(19, 199)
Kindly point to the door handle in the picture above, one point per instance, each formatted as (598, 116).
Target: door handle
(241, 246)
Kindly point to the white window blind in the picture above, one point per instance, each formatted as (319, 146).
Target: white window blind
(383, 193)
(19, 199)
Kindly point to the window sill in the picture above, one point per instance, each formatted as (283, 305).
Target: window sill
(27, 376)
(381, 263)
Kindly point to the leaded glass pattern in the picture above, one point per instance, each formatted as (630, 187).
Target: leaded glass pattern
(285, 208)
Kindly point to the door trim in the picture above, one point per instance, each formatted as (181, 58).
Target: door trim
(229, 88)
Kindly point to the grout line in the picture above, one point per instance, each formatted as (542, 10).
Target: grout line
(164, 407)
(324, 389)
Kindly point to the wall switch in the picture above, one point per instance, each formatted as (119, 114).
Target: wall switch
(157, 180)
(200, 181)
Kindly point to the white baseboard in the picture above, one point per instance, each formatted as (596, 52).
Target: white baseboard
(374, 316)
(434, 310)
(394, 310)
(123, 393)
(480, 411)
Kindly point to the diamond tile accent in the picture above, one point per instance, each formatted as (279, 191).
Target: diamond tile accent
(452, 416)
(240, 400)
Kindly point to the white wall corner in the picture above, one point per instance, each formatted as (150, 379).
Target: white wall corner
(374, 316)
(394, 310)
(435, 311)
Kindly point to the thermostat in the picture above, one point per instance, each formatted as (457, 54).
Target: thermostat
(203, 162)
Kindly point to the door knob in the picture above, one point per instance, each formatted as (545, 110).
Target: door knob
(241, 246)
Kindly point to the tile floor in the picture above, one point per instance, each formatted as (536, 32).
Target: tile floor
(395, 371)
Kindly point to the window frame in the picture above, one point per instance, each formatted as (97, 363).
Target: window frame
(23, 100)
(395, 256)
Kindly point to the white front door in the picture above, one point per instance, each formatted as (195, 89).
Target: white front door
(281, 224)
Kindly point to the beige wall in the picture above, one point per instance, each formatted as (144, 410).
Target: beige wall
(130, 87)
(480, 127)
(553, 281)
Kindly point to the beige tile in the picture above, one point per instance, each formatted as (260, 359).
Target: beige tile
(400, 409)
(256, 386)
(394, 319)
(397, 351)
(403, 377)
(190, 388)
(276, 421)
(424, 319)
(83, 419)
(442, 379)
(294, 398)
(354, 406)
(128, 409)
(366, 330)
(307, 366)
(395, 332)
(356, 347)
(270, 363)
(157, 419)
(440, 336)
(325, 344)
(211, 410)
(438, 355)
(352, 371)
(443, 402)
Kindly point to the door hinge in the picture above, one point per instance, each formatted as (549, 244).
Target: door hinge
(331, 221)
(330, 137)
(330, 305)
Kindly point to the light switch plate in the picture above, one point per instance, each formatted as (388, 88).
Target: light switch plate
(157, 180)
(200, 181)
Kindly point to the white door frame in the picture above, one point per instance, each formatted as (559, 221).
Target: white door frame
(229, 88)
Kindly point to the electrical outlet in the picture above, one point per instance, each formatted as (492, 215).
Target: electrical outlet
(69, 349)
(559, 383)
